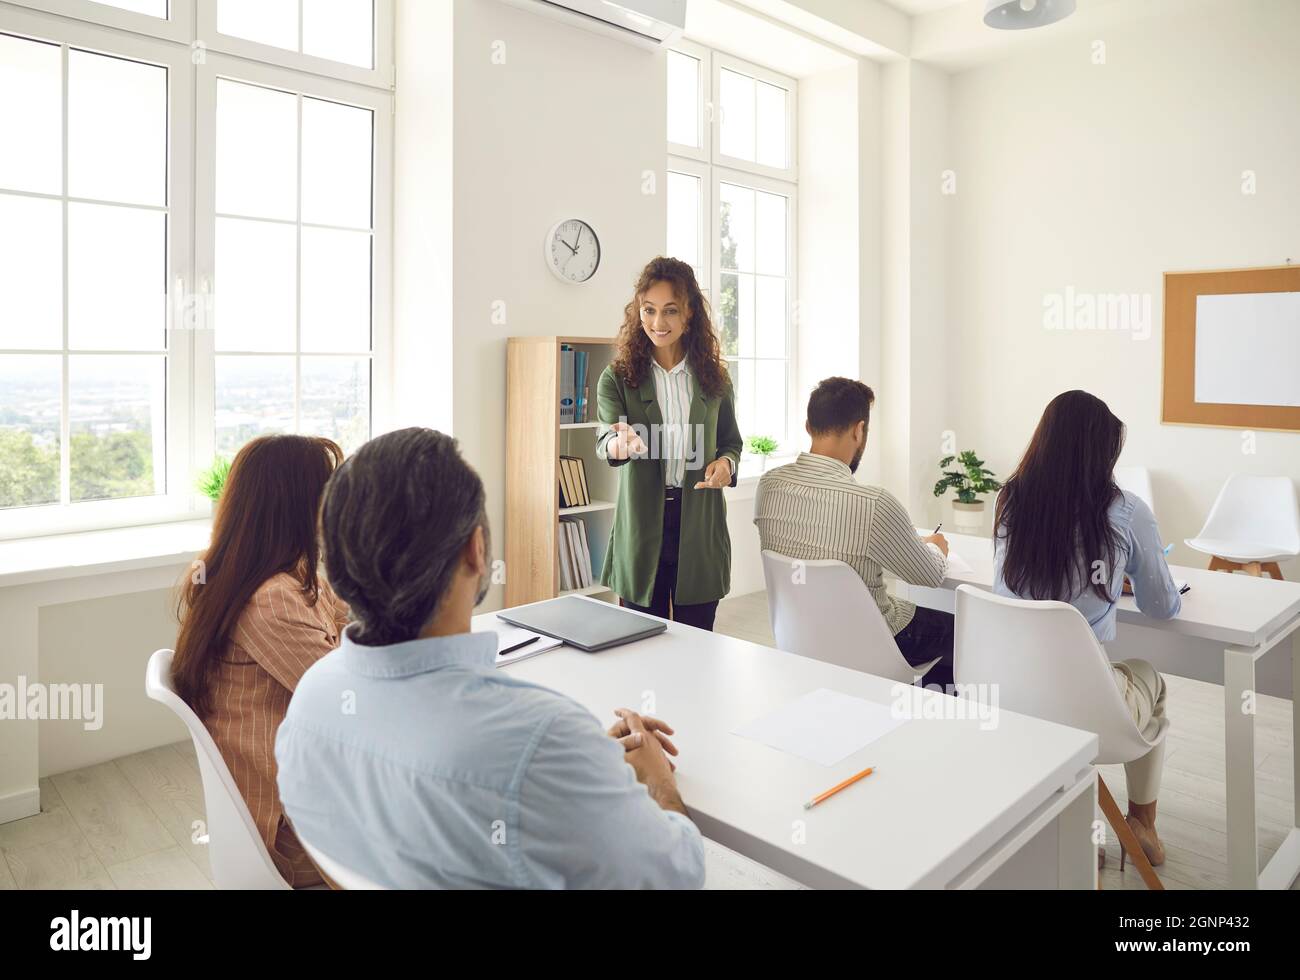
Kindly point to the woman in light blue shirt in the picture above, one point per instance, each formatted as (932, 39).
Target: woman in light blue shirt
(1064, 530)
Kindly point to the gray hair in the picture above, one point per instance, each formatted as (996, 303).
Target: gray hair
(394, 521)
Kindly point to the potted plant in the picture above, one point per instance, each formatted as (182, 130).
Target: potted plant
(762, 447)
(212, 481)
(971, 481)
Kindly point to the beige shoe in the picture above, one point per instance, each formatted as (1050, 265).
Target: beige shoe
(1148, 840)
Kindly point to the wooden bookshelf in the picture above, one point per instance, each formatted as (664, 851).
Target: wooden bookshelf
(535, 440)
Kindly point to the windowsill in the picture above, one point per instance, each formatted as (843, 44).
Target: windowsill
(24, 561)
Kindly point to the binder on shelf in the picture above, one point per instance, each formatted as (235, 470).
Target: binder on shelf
(568, 492)
(567, 399)
(580, 385)
(588, 576)
(574, 471)
(566, 567)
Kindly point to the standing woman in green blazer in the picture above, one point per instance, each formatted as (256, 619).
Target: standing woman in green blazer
(669, 417)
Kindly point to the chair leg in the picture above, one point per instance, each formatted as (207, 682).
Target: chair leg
(1272, 569)
(1127, 839)
(1218, 564)
(1253, 569)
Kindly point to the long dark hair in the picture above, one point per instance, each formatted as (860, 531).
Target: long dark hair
(703, 352)
(266, 523)
(1053, 510)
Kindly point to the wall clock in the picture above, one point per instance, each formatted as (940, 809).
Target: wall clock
(573, 251)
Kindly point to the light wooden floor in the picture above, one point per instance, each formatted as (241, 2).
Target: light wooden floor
(128, 823)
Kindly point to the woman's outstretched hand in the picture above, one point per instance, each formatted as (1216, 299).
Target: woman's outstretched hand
(626, 443)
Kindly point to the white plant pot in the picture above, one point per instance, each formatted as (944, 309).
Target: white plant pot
(968, 518)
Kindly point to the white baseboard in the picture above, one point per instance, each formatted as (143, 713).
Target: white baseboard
(17, 806)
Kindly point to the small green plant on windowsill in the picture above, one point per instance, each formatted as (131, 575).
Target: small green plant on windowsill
(762, 447)
(212, 481)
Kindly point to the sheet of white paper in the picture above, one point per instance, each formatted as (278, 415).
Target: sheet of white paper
(1247, 349)
(957, 564)
(824, 726)
(509, 636)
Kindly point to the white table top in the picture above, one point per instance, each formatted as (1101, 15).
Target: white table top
(944, 791)
(1235, 609)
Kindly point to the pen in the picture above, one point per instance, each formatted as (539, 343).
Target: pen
(519, 646)
(936, 530)
(835, 789)
(1168, 548)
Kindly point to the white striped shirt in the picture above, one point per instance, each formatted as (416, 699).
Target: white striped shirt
(673, 393)
(813, 509)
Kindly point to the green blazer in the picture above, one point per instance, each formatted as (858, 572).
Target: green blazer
(704, 549)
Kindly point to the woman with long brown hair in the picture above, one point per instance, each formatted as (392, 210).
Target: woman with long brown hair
(669, 410)
(255, 615)
(1064, 530)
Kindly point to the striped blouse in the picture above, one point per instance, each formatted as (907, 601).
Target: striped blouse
(673, 393)
(813, 509)
(276, 639)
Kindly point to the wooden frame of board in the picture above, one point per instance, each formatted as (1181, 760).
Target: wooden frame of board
(1179, 405)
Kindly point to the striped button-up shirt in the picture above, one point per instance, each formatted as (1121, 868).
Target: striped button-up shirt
(813, 509)
(673, 392)
(278, 636)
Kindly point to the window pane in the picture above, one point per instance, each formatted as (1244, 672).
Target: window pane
(117, 129)
(154, 8)
(256, 284)
(736, 228)
(683, 99)
(336, 400)
(31, 407)
(744, 370)
(770, 233)
(31, 104)
(257, 151)
(341, 30)
(273, 22)
(736, 315)
(771, 126)
(769, 317)
(769, 417)
(736, 97)
(684, 218)
(254, 398)
(335, 290)
(337, 148)
(116, 415)
(117, 274)
(31, 273)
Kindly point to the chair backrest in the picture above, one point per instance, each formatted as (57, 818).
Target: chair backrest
(1256, 509)
(1136, 480)
(237, 853)
(824, 611)
(1046, 662)
(346, 879)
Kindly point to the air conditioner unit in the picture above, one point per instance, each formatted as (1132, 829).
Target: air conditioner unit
(646, 23)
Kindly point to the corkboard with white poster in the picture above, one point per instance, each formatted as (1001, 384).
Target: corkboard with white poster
(1232, 348)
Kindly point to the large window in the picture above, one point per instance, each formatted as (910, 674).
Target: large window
(193, 252)
(732, 188)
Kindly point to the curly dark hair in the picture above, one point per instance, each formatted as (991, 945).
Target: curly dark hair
(703, 352)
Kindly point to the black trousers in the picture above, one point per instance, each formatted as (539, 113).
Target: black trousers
(661, 603)
(927, 636)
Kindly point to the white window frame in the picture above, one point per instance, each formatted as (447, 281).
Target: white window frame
(178, 502)
(716, 168)
(705, 250)
(236, 69)
(179, 25)
(191, 362)
(382, 75)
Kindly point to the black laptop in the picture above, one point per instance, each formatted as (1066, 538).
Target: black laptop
(583, 623)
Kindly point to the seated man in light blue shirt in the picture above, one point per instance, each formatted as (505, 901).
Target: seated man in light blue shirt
(408, 758)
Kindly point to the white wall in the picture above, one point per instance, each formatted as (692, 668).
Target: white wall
(1103, 177)
(567, 127)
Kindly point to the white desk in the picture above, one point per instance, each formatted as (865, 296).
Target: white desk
(1252, 617)
(950, 806)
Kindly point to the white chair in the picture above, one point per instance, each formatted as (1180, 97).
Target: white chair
(1136, 480)
(345, 878)
(1046, 662)
(823, 610)
(239, 858)
(1254, 524)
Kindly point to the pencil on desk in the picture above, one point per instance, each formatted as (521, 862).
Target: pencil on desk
(835, 789)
